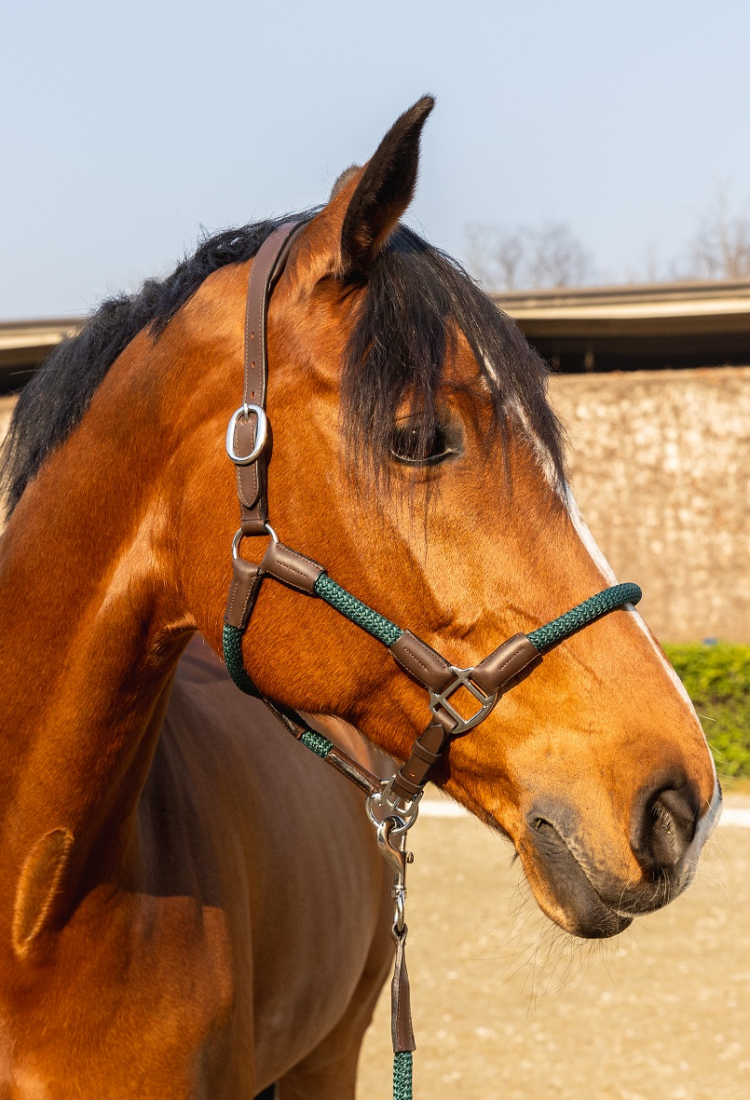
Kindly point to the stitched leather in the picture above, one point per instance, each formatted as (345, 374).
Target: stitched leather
(243, 592)
(422, 662)
(290, 567)
(426, 751)
(503, 665)
(402, 1033)
(252, 479)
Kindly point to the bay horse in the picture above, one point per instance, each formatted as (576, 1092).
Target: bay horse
(190, 903)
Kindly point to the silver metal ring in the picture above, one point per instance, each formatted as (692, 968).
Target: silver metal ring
(383, 805)
(261, 434)
(241, 535)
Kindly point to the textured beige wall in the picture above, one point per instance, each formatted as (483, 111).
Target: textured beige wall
(6, 408)
(660, 464)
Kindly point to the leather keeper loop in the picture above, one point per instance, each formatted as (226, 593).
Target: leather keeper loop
(502, 666)
(422, 662)
(434, 739)
(425, 753)
(254, 523)
(248, 477)
(291, 568)
(404, 788)
(243, 592)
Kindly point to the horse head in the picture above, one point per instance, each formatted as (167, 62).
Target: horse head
(414, 454)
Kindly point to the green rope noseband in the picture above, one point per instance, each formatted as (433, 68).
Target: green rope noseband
(543, 639)
(595, 607)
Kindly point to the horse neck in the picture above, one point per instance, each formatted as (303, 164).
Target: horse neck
(92, 631)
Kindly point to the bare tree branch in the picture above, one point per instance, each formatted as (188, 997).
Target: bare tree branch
(527, 257)
(721, 247)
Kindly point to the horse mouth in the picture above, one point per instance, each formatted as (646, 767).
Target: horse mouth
(564, 889)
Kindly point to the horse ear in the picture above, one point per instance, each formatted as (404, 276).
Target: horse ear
(364, 207)
(384, 190)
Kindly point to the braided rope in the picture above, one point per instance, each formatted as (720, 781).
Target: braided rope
(402, 1075)
(583, 615)
(317, 743)
(352, 608)
(232, 645)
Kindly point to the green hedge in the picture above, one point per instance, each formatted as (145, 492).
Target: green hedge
(717, 678)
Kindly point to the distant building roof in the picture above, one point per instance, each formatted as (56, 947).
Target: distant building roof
(26, 344)
(649, 326)
(656, 325)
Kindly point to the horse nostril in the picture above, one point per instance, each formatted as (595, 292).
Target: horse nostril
(667, 829)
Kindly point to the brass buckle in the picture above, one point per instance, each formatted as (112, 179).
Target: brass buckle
(440, 700)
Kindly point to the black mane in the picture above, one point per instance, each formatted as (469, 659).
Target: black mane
(416, 297)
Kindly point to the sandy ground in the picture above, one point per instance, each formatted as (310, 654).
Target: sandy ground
(507, 1007)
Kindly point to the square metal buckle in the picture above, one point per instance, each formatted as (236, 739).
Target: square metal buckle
(462, 679)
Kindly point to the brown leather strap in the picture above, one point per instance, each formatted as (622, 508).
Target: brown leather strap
(243, 592)
(422, 662)
(259, 288)
(252, 478)
(504, 664)
(409, 780)
(337, 758)
(402, 1033)
(290, 567)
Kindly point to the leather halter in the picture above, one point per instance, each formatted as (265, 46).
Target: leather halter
(248, 438)
(393, 805)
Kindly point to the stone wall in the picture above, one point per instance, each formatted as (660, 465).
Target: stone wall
(660, 463)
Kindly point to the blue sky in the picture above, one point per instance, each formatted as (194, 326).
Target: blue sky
(128, 127)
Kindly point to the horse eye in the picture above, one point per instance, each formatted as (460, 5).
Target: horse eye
(412, 445)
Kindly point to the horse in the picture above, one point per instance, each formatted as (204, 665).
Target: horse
(190, 906)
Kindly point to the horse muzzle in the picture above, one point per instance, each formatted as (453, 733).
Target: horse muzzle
(595, 896)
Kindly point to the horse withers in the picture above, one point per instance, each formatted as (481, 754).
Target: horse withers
(191, 905)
